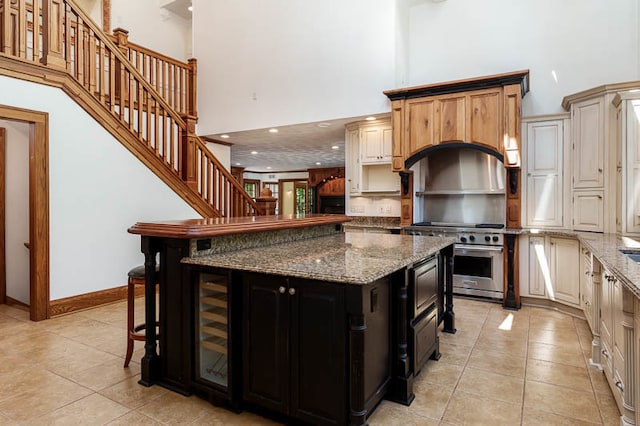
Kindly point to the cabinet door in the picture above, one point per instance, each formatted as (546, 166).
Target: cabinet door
(353, 161)
(632, 168)
(318, 352)
(565, 260)
(588, 211)
(265, 341)
(386, 147)
(451, 119)
(485, 119)
(544, 173)
(586, 285)
(588, 146)
(370, 141)
(606, 311)
(420, 125)
(538, 266)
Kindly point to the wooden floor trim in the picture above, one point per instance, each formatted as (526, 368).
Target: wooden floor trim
(92, 300)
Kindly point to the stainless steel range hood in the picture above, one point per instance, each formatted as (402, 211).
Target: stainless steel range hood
(461, 185)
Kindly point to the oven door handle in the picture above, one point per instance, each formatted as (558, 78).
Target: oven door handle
(478, 248)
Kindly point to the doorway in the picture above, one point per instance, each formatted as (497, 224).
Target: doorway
(292, 196)
(38, 185)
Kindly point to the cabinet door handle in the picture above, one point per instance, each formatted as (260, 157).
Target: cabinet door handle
(292, 291)
(587, 303)
(599, 170)
(620, 386)
(605, 353)
(282, 289)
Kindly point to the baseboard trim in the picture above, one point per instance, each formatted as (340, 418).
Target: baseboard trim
(16, 304)
(552, 305)
(82, 302)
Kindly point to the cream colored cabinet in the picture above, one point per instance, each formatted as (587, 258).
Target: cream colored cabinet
(552, 270)
(588, 145)
(537, 268)
(368, 159)
(564, 265)
(588, 210)
(590, 295)
(352, 161)
(617, 334)
(628, 162)
(375, 143)
(545, 187)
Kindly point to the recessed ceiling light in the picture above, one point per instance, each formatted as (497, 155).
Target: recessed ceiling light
(335, 147)
(225, 136)
(254, 152)
(268, 167)
(370, 118)
(237, 164)
(324, 124)
(318, 163)
(273, 130)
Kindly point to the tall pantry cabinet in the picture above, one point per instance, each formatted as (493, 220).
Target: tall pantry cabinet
(595, 135)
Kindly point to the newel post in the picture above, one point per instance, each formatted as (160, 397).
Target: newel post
(192, 88)
(188, 147)
(52, 33)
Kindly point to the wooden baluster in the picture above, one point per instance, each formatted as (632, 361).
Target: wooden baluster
(67, 37)
(36, 31)
(6, 37)
(52, 36)
(140, 111)
(80, 52)
(192, 88)
(103, 73)
(91, 63)
(156, 121)
(113, 71)
(131, 90)
(189, 151)
(21, 29)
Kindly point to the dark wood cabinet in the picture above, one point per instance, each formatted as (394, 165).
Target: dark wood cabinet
(294, 338)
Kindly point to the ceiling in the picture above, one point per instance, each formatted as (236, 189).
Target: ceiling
(293, 148)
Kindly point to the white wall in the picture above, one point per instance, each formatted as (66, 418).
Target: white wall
(304, 61)
(585, 43)
(17, 209)
(93, 8)
(222, 153)
(144, 18)
(97, 190)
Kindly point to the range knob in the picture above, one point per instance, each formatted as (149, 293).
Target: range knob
(472, 238)
(463, 239)
(487, 238)
(495, 238)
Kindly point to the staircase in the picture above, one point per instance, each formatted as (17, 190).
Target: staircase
(145, 100)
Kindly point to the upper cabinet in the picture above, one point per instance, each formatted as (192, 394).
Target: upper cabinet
(628, 162)
(601, 124)
(375, 143)
(588, 149)
(368, 159)
(545, 187)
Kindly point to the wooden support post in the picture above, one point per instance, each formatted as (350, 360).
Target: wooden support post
(192, 88)
(511, 282)
(52, 33)
(150, 363)
(5, 20)
(449, 315)
(188, 147)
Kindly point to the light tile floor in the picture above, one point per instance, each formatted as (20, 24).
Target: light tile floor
(68, 370)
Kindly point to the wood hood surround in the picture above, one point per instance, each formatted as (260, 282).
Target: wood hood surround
(483, 112)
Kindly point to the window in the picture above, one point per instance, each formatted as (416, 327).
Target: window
(251, 186)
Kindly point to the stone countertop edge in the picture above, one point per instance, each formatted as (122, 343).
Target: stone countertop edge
(347, 258)
(606, 248)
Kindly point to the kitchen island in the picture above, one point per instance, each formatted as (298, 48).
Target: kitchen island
(301, 320)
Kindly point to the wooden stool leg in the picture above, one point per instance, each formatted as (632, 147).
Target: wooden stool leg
(130, 325)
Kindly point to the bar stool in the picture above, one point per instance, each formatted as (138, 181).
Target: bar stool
(135, 332)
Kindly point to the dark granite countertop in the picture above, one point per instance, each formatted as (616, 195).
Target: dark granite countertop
(349, 258)
(606, 248)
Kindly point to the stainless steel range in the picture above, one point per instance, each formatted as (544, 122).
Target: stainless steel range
(478, 268)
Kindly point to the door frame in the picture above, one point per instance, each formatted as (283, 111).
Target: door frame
(39, 306)
(3, 199)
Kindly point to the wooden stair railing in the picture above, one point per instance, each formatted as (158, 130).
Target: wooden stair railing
(71, 43)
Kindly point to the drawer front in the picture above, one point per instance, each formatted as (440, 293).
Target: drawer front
(424, 339)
